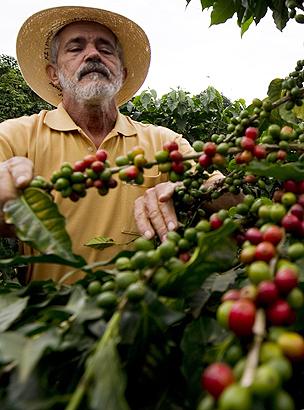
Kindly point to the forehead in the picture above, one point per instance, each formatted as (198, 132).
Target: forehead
(85, 29)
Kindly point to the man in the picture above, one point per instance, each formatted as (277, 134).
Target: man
(87, 62)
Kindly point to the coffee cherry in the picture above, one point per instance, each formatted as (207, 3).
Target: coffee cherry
(260, 151)
(265, 251)
(215, 221)
(247, 254)
(170, 146)
(295, 251)
(279, 313)
(254, 236)
(266, 381)
(281, 400)
(252, 133)
(222, 313)
(235, 397)
(297, 210)
(285, 280)
(216, 378)
(267, 293)
(231, 294)
(241, 317)
(101, 155)
(97, 166)
(292, 345)
(248, 292)
(210, 149)
(205, 160)
(291, 223)
(175, 156)
(290, 186)
(247, 144)
(273, 234)
(259, 271)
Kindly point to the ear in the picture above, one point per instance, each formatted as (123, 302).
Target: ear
(51, 70)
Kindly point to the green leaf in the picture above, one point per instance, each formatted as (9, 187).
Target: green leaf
(39, 223)
(245, 26)
(280, 14)
(260, 10)
(11, 306)
(287, 115)
(281, 172)
(205, 3)
(100, 243)
(222, 11)
(34, 349)
(108, 381)
(20, 260)
(108, 389)
(198, 337)
(11, 345)
(275, 89)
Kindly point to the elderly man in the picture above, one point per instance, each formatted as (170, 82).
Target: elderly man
(86, 62)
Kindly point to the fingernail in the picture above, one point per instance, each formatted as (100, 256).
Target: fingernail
(21, 180)
(148, 234)
(171, 226)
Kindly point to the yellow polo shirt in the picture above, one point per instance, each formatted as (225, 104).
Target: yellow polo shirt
(51, 138)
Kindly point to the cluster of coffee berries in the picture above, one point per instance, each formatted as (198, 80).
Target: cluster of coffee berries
(293, 5)
(287, 208)
(170, 160)
(93, 170)
(132, 166)
(227, 392)
(212, 154)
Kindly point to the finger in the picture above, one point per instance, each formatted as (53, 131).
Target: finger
(154, 214)
(7, 187)
(165, 190)
(169, 215)
(143, 224)
(21, 170)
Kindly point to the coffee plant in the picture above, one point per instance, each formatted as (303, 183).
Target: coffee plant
(195, 117)
(249, 11)
(210, 318)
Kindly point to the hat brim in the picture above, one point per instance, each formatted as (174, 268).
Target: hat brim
(34, 38)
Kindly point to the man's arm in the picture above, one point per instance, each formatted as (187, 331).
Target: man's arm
(15, 173)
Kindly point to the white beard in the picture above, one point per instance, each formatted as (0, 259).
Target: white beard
(98, 91)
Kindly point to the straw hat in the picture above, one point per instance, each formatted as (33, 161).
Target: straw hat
(33, 48)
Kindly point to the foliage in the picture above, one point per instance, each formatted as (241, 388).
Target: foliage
(195, 117)
(250, 11)
(17, 98)
(138, 331)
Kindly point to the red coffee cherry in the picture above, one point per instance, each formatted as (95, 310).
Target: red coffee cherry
(216, 377)
(267, 293)
(242, 317)
(286, 279)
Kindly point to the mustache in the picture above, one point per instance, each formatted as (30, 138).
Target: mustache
(93, 67)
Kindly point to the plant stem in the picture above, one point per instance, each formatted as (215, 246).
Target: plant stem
(254, 353)
(110, 332)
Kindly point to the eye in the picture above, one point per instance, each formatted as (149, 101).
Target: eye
(74, 49)
(106, 50)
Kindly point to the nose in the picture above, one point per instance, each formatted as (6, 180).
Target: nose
(92, 54)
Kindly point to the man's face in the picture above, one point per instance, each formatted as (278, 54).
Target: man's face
(88, 64)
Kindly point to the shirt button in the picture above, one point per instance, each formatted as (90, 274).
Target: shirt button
(90, 149)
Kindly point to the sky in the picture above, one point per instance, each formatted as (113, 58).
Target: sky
(186, 51)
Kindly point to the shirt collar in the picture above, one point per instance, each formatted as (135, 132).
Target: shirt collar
(60, 120)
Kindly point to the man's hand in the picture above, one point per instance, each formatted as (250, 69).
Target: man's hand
(15, 173)
(154, 211)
